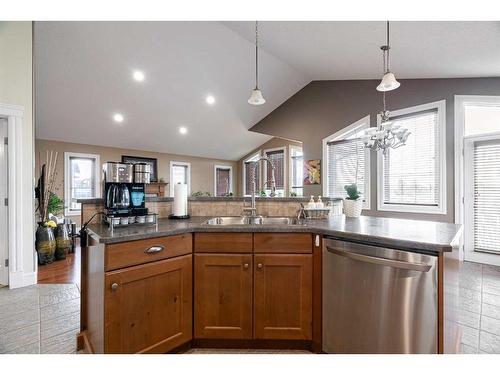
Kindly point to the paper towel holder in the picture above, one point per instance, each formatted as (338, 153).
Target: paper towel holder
(174, 217)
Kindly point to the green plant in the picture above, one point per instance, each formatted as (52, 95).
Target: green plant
(208, 194)
(262, 193)
(293, 194)
(230, 194)
(197, 194)
(55, 204)
(352, 192)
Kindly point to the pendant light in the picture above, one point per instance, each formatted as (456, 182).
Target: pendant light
(256, 97)
(389, 81)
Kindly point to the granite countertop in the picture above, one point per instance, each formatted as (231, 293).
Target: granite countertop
(408, 234)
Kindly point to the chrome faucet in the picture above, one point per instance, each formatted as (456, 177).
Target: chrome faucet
(253, 166)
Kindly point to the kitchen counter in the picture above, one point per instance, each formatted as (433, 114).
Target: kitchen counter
(404, 234)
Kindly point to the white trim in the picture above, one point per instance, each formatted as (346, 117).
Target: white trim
(21, 223)
(221, 166)
(361, 124)
(67, 192)
(4, 194)
(253, 156)
(285, 164)
(290, 167)
(188, 165)
(442, 206)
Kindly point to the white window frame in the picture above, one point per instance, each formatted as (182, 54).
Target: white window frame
(290, 166)
(460, 102)
(359, 125)
(441, 208)
(67, 173)
(183, 163)
(285, 164)
(253, 156)
(221, 166)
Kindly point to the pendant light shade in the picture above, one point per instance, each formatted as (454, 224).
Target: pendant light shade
(388, 82)
(256, 97)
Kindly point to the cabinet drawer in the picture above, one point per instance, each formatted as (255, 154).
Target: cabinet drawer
(284, 243)
(131, 253)
(223, 242)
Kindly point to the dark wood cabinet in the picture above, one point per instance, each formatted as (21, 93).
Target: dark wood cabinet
(283, 296)
(148, 308)
(223, 296)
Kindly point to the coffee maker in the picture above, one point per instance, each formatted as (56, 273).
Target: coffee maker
(122, 197)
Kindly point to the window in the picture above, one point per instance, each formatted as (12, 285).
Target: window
(223, 180)
(277, 157)
(81, 180)
(296, 170)
(347, 162)
(481, 118)
(412, 177)
(247, 184)
(180, 173)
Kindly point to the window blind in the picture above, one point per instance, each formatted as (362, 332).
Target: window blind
(412, 172)
(343, 158)
(82, 180)
(277, 157)
(223, 182)
(487, 196)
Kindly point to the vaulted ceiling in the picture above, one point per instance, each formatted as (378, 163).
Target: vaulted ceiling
(84, 74)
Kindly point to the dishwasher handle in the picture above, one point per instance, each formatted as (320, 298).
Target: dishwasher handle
(382, 261)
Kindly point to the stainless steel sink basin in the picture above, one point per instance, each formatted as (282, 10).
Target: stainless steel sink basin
(259, 220)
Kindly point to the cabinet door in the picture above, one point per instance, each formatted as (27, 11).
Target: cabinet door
(148, 308)
(283, 297)
(223, 296)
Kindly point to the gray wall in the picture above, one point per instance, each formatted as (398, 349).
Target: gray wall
(324, 107)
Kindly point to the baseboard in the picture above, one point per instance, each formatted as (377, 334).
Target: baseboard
(21, 279)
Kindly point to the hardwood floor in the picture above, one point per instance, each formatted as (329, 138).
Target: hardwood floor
(66, 271)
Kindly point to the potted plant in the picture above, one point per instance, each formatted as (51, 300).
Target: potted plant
(353, 203)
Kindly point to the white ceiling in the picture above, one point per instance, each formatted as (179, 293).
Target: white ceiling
(350, 50)
(83, 74)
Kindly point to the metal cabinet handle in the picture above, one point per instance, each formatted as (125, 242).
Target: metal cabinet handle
(259, 266)
(114, 286)
(154, 249)
(422, 267)
(246, 265)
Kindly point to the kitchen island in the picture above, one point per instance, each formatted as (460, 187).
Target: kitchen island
(186, 283)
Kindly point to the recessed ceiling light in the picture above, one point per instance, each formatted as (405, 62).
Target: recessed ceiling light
(138, 75)
(210, 100)
(118, 117)
(183, 130)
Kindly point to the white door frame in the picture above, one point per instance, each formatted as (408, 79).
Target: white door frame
(22, 271)
(4, 189)
(460, 102)
(222, 166)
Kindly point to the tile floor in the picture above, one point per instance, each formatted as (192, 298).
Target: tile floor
(45, 318)
(39, 319)
(479, 308)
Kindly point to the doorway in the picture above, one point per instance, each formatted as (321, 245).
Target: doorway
(480, 161)
(4, 241)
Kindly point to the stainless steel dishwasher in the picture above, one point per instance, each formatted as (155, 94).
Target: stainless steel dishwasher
(378, 300)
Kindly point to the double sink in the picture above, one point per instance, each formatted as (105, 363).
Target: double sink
(253, 220)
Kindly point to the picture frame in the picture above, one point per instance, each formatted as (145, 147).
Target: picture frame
(312, 172)
(153, 162)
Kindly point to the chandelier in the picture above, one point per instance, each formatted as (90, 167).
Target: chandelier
(386, 135)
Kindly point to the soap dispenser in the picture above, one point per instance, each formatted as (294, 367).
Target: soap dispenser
(319, 203)
(311, 203)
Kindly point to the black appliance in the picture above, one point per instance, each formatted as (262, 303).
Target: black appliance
(122, 197)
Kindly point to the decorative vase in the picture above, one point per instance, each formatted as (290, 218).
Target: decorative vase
(352, 208)
(63, 242)
(45, 244)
